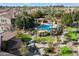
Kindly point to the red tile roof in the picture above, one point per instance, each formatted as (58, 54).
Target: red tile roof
(8, 35)
(8, 13)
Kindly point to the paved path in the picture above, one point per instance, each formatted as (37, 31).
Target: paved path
(41, 45)
(62, 36)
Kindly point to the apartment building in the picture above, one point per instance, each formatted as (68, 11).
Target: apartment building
(5, 23)
(5, 19)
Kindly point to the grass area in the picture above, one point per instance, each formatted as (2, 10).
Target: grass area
(65, 51)
(24, 37)
(71, 36)
(43, 39)
(70, 29)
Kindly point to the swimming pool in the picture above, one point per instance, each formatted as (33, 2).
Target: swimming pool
(45, 27)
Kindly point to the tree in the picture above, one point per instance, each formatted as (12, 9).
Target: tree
(13, 22)
(48, 17)
(41, 13)
(24, 21)
(37, 14)
(19, 22)
(58, 13)
(28, 21)
(25, 13)
(66, 19)
(76, 16)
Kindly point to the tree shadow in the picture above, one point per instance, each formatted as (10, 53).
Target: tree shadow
(11, 46)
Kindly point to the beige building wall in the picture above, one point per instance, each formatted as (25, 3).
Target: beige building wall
(5, 24)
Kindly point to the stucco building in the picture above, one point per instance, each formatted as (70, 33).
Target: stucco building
(5, 19)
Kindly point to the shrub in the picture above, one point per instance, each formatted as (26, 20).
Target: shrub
(44, 33)
(23, 50)
(24, 37)
(49, 50)
(34, 31)
(71, 36)
(65, 51)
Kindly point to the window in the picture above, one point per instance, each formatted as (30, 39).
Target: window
(3, 20)
(2, 28)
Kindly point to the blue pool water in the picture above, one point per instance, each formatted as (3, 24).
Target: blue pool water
(45, 27)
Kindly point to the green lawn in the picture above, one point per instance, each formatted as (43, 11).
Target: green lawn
(24, 37)
(65, 51)
(70, 29)
(71, 36)
(43, 39)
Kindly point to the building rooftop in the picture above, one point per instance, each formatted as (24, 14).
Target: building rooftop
(7, 35)
(8, 13)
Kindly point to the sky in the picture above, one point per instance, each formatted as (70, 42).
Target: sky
(38, 4)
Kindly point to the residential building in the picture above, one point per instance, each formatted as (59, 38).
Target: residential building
(5, 19)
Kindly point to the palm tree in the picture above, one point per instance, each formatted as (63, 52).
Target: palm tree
(49, 17)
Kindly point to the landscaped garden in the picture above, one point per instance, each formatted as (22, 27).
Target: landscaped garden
(48, 33)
